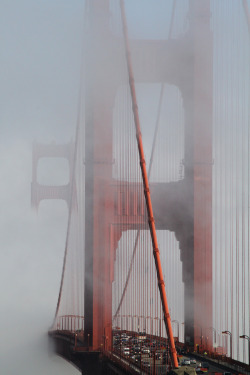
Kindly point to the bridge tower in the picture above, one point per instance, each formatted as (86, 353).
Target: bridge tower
(100, 91)
(185, 206)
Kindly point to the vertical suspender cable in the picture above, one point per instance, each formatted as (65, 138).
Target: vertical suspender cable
(149, 169)
(247, 15)
(69, 221)
(223, 263)
(243, 215)
(147, 195)
(70, 208)
(72, 188)
(215, 179)
(248, 185)
(238, 176)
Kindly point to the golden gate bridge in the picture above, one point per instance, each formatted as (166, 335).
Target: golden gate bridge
(158, 196)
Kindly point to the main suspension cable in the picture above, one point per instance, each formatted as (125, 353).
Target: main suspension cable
(151, 221)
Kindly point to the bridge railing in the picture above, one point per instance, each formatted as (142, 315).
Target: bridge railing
(71, 323)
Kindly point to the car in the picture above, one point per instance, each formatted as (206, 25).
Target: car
(145, 364)
(186, 362)
(134, 340)
(158, 355)
(125, 339)
(136, 358)
(193, 361)
(199, 371)
(137, 349)
(205, 365)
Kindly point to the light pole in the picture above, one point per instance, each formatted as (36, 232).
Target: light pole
(123, 316)
(231, 343)
(131, 324)
(148, 326)
(214, 330)
(178, 328)
(159, 328)
(183, 330)
(141, 324)
(248, 339)
(88, 340)
(201, 337)
(214, 345)
(119, 326)
(75, 340)
(134, 316)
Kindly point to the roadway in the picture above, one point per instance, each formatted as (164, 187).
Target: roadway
(150, 354)
(214, 366)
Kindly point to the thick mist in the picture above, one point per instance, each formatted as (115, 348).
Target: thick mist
(39, 70)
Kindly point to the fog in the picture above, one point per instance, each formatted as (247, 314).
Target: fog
(40, 64)
(39, 74)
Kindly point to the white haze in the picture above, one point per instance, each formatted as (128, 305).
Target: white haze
(39, 74)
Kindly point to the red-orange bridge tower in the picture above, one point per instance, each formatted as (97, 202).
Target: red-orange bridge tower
(114, 207)
(183, 207)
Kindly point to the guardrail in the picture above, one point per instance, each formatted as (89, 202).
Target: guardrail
(69, 323)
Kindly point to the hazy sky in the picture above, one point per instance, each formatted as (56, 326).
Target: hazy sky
(39, 80)
(40, 43)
